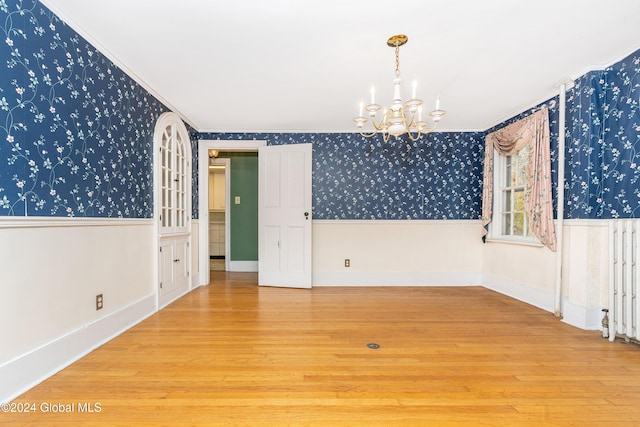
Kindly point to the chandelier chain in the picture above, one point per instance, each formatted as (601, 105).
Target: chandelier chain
(397, 61)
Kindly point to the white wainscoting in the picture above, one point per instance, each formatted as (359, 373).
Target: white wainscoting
(52, 270)
(585, 272)
(196, 280)
(527, 273)
(397, 253)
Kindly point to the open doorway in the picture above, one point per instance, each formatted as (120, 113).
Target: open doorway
(218, 195)
(231, 201)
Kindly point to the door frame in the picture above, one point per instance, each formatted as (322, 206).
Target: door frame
(204, 145)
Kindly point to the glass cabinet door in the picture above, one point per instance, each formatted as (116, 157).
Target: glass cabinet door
(173, 182)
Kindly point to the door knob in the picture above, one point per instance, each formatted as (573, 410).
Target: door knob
(306, 216)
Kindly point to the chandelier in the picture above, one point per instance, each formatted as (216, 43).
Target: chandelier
(401, 117)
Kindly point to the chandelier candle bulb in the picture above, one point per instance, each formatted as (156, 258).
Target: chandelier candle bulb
(373, 95)
(361, 106)
(438, 102)
(415, 87)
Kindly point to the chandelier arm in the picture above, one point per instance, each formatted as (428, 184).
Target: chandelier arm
(435, 125)
(368, 135)
(408, 127)
(412, 122)
(380, 126)
(420, 132)
(428, 131)
(414, 138)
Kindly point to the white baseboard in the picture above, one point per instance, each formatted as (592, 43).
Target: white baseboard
(25, 372)
(537, 297)
(243, 266)
(396, 278)
(587, 318)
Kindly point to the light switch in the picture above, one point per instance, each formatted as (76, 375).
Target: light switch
(237, 200)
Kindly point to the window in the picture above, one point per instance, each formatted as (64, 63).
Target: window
(510, 220)
(505, 183)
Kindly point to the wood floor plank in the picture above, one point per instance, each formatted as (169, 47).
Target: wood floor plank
(233, 353)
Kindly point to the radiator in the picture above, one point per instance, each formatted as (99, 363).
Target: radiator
(624, 273)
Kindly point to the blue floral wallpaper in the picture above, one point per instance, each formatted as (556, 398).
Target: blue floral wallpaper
(76, 137)
(603, 158)
(437, 177)
(584, 140)
(76, 133)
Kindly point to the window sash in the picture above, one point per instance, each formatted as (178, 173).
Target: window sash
(512, 223)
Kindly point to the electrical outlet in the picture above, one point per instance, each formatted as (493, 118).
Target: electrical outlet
(347, 262)
(99, 302)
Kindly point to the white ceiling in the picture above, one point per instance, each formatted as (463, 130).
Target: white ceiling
(304, 66)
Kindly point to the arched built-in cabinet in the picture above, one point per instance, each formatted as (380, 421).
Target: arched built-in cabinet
(172, 172)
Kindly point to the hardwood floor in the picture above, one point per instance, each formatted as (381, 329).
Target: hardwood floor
(235, 354)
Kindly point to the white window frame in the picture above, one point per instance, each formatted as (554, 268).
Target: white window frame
(499, 187)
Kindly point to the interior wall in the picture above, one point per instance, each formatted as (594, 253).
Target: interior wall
(603, 162)
(243, 215)
(520, 271)
(528, 273)
(396, 253)
(585, 274)
(64, 151)
(56, 272)
(52, 271)
(438, 177)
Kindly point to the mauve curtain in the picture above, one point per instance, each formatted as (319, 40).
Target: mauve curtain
(531, 131)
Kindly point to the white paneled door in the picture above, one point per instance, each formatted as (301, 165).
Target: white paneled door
(284, 217)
